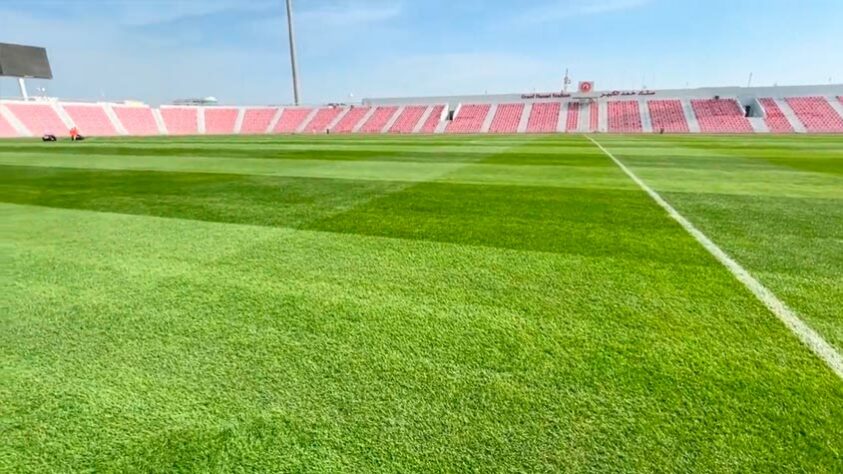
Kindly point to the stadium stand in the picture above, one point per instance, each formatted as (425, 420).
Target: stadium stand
(816, 114)
(323, 118)
(220, 121)
(90, 119)
(6, 129)
(793, 109)
(668, 115)
(257, 121)
(291, 120)
(624, 117)
(137, 121)
(774, 117)
(181, 120)
(720, 116)
(39, 119)
(378, 120)
(408, 119)
(433, 119)
(351, 120)
(573, 117)
(544, 117)
(507, 118)
(469, 119)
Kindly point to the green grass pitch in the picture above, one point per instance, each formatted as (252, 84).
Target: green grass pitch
(417, 304)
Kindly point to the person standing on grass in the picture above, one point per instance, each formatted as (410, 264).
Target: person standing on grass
(74, 134)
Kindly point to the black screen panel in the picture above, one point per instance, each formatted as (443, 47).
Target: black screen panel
(24, 61)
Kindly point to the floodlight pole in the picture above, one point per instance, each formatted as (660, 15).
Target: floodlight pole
(293, 61)
(22, 84)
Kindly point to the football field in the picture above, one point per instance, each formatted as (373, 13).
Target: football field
(421, 304)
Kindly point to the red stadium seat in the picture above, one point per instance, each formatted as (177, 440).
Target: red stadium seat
(469, 119)
(624, 117)
(507, 118)
(544, 118)
(181, 120)
(6, 129)
(257, 121)
(774, 117)
(433, 120)
(379, 119)
(91, 119)
(816, 114)
(39, 119)
(351, 120)
(720, 116)
(573, 117)
(668, 115)
(137, 121)
(324, 116)
(291, 120)
(408, 120)
(220, 121)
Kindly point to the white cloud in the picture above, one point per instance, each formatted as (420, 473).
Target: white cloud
(348, 13)
(101, 60)
(365, 47)
(151, 12)
(565, 9)
(445, 74)
(334, 29)
(134, 12)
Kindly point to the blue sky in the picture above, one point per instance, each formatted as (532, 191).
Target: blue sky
(236, 50)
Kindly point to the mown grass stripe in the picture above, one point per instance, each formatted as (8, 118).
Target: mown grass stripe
(805, 333)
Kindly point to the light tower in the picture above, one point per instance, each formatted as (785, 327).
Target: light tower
(566, 82)
(293, 62)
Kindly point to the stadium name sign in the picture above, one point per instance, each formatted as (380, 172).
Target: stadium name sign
(565, 95)
(627, 93)
(547, 95)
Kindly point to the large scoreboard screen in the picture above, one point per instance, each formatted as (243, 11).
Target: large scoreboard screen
(24, 61)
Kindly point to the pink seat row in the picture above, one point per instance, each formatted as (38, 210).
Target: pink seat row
(624, 117)
(507, 118)
(469, 119)
(668, 116)
(774, 117)
(720, 116)
(817, 114)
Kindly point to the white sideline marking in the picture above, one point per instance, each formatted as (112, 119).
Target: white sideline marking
(808, 336)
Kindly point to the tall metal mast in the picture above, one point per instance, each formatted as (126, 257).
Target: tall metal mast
(566, 82)
(293, 61)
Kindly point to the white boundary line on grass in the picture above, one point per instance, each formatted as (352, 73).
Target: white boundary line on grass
(808, 336)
